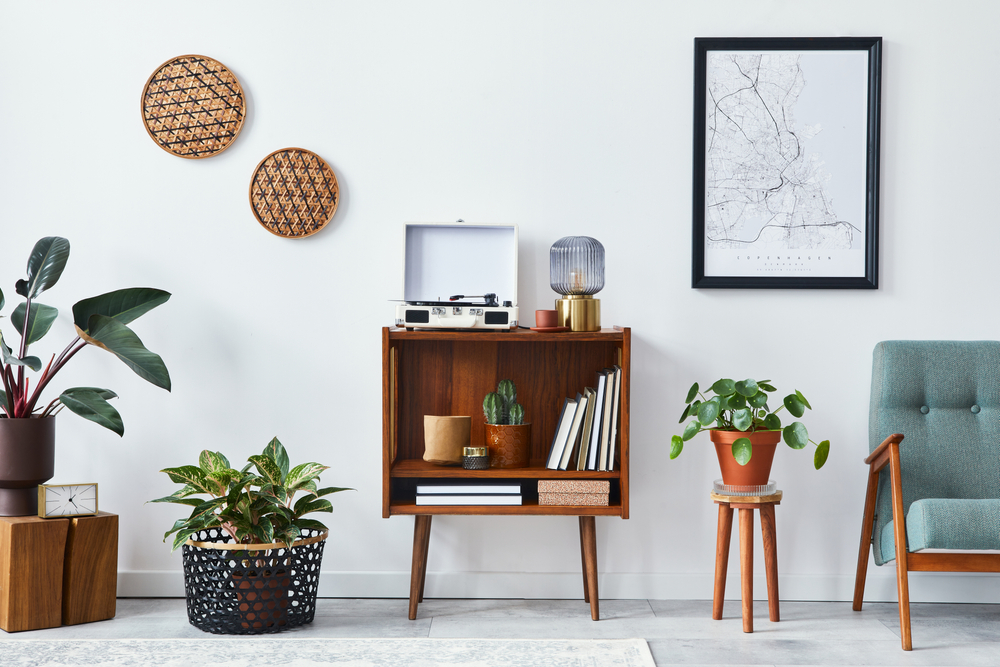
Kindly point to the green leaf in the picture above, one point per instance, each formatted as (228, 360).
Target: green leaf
(742, 419)
(737, 402)
(798, 395)
(179, 524)
(193, 502)
(123, 305)
(724, 387)
(794, 405)
(684, 415)
(758, 400)
(311, 524)
(822, 452)
(182, 537)
(2, 302)
(772, 422)
(121, 341)
(34, 363)
(795, 435)
(335, 489)
(708, 411)
(213, 461)
(691, 430)
(192, 475)
(277, 453)
(742, 450)
(3, 401)
(45, 265)
(90, 404)
(267, 467)
(746, 387)
(763, 384)
(307, 504)
(39, 320)
(676, 446)
(289, 534)
(267, 529)
(275, 493)
(301, 474)
(692, 392)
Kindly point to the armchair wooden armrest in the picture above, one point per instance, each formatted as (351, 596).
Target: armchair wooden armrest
(880, 456)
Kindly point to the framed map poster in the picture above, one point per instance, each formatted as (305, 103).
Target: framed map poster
(786, 162)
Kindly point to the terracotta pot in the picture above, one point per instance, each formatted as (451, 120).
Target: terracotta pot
(757, 471)
(27, 459)
(262, 599)
(509, 445)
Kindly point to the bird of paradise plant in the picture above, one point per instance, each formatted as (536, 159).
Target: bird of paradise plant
(100, 321)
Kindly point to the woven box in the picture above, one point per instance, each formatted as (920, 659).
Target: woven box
(589, 492)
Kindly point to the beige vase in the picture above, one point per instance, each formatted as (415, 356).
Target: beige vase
(445, 438)
(509, 445)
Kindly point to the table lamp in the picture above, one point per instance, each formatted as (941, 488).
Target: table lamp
(576, 270)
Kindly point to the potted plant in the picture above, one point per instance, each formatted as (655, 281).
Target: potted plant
(27, 427)
(255, 565)
(745, 429)
(508, 438)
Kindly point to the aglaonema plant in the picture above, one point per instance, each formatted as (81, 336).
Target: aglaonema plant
(252, 507)
(742, 406)
(100, 321)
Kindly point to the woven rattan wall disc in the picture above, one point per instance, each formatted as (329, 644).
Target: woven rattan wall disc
(294, 193)
(193, 107)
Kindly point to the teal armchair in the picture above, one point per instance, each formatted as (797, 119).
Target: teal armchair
(934, 427)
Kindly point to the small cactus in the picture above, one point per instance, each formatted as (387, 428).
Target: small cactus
(493, 408)
(508, 394)
(516, 414)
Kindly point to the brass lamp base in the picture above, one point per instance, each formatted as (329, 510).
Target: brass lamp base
(579, 312)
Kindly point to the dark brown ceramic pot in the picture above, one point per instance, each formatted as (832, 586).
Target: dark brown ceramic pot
(263, 599)
(509, 445)
(757, 471)
(27, 459)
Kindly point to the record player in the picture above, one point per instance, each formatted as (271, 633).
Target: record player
(442, 259)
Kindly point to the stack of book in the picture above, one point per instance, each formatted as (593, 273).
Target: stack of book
(586, 434)
(592, 492)
(468, 494)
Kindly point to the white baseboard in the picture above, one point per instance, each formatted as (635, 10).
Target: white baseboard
(881, 586)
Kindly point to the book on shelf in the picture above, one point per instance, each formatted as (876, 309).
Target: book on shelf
(615, 409)
(574, 432)
(472, 499)
(482, 489)
(595, 432)
(609, 401)
(585, 430)
(562, 433)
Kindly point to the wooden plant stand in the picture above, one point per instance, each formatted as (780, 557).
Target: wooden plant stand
(746, 505)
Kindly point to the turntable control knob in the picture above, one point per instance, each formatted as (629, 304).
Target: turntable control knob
(507, 304)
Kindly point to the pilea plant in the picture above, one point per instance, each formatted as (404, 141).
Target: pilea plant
(742, 406)
(100, 321)
(254, 508)
(501, 406)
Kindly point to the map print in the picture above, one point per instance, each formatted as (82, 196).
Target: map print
(769, 206)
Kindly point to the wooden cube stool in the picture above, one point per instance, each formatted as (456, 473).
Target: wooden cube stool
(746, 505)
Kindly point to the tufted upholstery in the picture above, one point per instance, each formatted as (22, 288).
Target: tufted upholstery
(944, 397)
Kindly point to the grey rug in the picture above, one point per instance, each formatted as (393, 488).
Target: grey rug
(285, 651)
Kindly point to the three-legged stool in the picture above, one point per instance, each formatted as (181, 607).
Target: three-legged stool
(746, 505)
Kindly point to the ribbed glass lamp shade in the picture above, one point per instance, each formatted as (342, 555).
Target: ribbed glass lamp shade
(576, 265)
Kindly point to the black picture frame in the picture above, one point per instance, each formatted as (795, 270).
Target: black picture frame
(754, 187)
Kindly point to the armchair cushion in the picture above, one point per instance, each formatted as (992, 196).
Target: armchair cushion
(945, 523)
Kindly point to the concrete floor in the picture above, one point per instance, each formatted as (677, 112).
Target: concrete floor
(678, 632)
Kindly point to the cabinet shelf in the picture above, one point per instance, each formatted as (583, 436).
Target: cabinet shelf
(535, 470)
(530, 507)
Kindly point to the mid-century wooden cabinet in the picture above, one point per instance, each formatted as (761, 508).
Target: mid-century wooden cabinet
(448, 373)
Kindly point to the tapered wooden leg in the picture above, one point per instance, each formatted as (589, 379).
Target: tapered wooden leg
(423, 559)
(769, 536)
(746, 566)
(421, 538)
(589, 535)
(583, 559)
(899, 529)
(722, 541)
(867, 523)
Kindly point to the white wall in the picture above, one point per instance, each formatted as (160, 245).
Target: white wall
(562, 117)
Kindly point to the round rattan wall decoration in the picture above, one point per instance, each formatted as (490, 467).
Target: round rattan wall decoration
(193, 107)
(294, 193)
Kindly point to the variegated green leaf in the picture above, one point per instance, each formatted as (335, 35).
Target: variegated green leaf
(311, 524)
(182, 537)
(267, 468)
(277, 453)
(308, 504)
(193, 502)
(332, 489)
(301, 474)
(267, 529)
(213, 461)
(192, 475)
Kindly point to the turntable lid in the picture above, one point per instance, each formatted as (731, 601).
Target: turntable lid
(440, 260)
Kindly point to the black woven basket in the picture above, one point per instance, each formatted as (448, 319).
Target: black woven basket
(238, 591)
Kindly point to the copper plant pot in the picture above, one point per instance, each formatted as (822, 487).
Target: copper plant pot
(27, 459)
(757, 471)
(509, 445)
